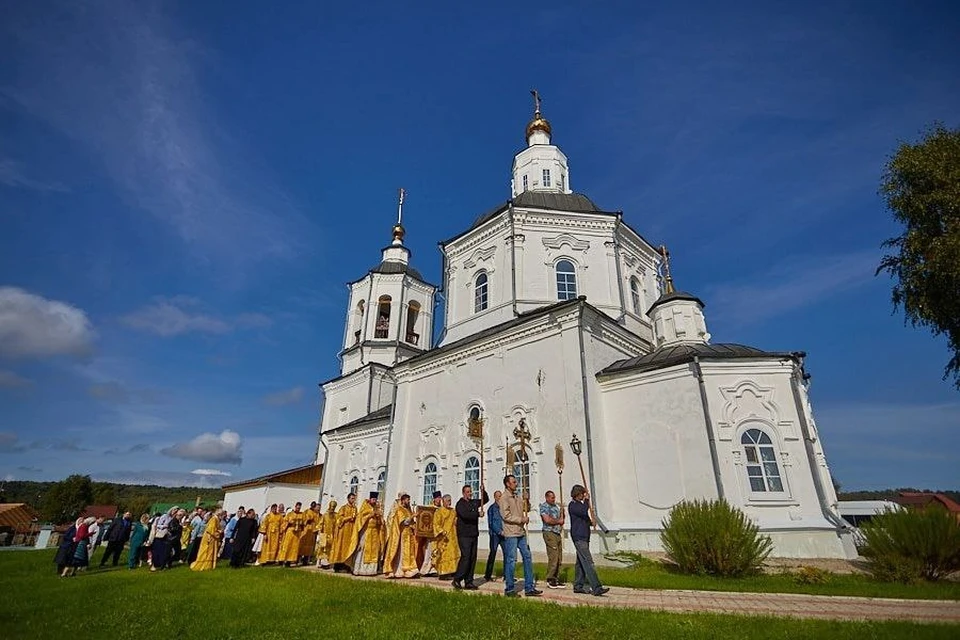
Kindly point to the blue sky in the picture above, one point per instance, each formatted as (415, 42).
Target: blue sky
(185, 189)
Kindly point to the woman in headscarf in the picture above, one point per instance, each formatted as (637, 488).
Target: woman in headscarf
(160, 549)
(207, 555)
(138, 536)
(81, 553)
(68, 545)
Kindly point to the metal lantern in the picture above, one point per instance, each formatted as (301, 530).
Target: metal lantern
(576, 446)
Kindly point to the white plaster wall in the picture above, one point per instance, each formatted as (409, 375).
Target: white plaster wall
(259, 498)
(362, 453)
(532, 161)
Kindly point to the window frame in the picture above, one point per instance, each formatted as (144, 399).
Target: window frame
(546, 178)
(481, 297)
(353, 486)
(570, 277)
(766, 452)
(469, 470)
(635, 294)
(382, 483)
(435, 473)
(525, 182)
(381, 328)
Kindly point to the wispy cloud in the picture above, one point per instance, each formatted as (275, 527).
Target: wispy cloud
(137, 448)
(162, 478)
(283, 398)
(178, 315)
(32, 326)
(790, 285)
(117, 393)
(209, 447)
(211, 472)
(123, 82)
(10, 442)
(11, 380)
(12, 175)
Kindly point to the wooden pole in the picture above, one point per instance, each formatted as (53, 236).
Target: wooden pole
(583, 477)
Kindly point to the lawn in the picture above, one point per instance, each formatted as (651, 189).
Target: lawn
(650, 574)
(286, 603)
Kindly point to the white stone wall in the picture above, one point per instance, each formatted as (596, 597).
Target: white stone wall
(359, 452)
(260, 497)
(355, 395)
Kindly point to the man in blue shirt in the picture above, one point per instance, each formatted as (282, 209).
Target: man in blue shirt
(552, 516)
(495, 525)
(581, 519)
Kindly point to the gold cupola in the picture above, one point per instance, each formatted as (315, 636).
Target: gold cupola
(539, 123)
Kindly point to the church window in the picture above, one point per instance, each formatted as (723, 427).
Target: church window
(359, 322)
(383, 317)
(763, 472)
(546, 177)
(354, 485)
(471, 474)
(521, 470)
(429, 482)
(635, 294)
(524, 182)
(413, 312)
(480, 293)
(566, 280)
(382, 483)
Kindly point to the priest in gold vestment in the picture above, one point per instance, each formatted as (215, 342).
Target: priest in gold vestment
(308, 539)
(293, 525)
(327, 529)
(446, 549)
(371, 535)
(209, 544)
(345, 535)
(428, 546)
(400, 560)
(270, 527)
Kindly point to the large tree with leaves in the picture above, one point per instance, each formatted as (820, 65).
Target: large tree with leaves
(921, 186)
(64, 501)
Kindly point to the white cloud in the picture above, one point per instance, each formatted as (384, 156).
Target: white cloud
(211, 472)
(117, 78)
(12, 175)
(792, 284)
(162, 478)
(283, 398)
(32, 326)
(209, 447)
(117, 393)
(10, 380)
(180, 314)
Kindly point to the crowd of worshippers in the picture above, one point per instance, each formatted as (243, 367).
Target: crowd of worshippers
(439, 540)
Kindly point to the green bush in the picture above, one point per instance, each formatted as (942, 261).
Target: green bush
(711, 537)
(906, 545)
(811, 575)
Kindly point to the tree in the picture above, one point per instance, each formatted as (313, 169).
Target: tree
(921, 187)
(64, 501)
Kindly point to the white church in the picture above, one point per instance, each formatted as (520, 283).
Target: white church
(561, 323)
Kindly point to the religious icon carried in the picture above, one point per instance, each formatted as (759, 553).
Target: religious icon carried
(425, 517)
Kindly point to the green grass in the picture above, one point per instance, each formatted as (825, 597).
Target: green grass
(286, 603)
(650, 574)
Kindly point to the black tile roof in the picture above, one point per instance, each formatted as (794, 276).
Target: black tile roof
(389, 266)
(675, 295)
(373, 416)
(572, 202)
(681, 353)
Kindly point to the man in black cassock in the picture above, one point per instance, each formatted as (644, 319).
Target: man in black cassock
(469, 511)
(243, 536)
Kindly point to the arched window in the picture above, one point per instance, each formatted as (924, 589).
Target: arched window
(382, 483)
(471, 474)
(566, 280)
(413, 312)
(429, 482)
(475, 421)
(762, 468)
(355, 485)
(522, 472)
(358, 321)
(383, 317)
(480, 292)
(635, 294)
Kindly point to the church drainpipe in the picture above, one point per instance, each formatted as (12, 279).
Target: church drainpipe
(326, 463)
(827, 509)
(616, 257)
(393, 414)
(513, 260)
(711, 438)
(586, 416)
(442, 294)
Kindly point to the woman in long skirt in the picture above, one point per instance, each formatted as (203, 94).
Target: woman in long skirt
(160, 549)
(68, 545)
(207, 555)
(137, 537)
(81, 553)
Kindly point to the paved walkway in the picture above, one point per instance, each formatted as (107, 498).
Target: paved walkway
(742, 603)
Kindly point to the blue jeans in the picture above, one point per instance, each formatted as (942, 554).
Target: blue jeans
(584, 571)
(510, 546)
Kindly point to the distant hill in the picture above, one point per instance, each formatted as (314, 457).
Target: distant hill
(130, 497)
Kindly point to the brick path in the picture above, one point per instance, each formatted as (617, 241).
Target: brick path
(743, 603)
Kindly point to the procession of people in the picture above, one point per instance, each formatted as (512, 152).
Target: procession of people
(436, 540)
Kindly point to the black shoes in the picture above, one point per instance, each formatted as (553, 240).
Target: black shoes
(601, 591)
(533, 592)
(511, 594)
(457, 585)
(554, 584)
(470, 587)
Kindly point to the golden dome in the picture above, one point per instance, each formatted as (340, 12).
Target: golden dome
(539, 123)
(398, 233)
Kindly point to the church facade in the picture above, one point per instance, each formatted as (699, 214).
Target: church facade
(562, 334)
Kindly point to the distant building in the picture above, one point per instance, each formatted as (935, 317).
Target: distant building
(105, 511)
(924, 499)
(301, 484)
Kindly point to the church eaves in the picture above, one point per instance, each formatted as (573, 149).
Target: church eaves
(683, 353)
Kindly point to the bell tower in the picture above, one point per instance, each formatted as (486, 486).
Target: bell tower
(390, 310)
(541, 166)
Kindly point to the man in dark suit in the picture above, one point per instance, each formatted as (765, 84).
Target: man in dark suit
(469, 511)
(117, 536)
(243, 536)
